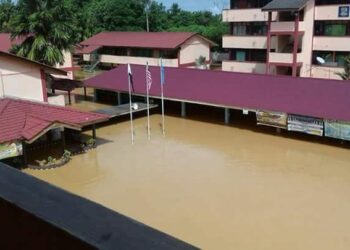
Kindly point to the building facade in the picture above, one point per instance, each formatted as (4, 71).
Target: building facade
(308, 38)
(177, 49)
(26, 79)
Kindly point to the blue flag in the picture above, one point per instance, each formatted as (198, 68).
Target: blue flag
(162, 76)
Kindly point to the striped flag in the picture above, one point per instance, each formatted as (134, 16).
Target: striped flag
(148, 77)
(130, 78)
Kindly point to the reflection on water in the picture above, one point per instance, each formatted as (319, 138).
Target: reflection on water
(218, 187)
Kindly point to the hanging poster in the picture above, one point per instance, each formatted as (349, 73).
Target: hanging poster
(307, 125)
(272, 119)
(338, 130)
(8, 150)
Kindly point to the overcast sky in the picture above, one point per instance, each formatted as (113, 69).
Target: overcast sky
(193, 5)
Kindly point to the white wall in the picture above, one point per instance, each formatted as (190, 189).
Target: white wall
(20, 79)
(193, 49)
(68, 63)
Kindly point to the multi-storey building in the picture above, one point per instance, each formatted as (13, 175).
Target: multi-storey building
(308, 38)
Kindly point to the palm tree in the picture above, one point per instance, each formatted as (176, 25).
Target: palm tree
(346, 74)
(47, 27)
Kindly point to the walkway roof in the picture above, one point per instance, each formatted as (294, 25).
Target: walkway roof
(328, 99)
(26, 120)
(155, 40)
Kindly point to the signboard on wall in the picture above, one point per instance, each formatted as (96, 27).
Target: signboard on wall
(272, 119)
(338, 130)
(307, 125)
(8, 150)
(344, 11)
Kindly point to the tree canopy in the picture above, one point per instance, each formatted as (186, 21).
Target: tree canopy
(50, 26)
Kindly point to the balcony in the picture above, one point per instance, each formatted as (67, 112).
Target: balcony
(137, 60)
(286, 27)
(328, 12)
(244, 67)
(329, 43)
(325, 72)
(247, 42)
(246, 15)
(283, 58)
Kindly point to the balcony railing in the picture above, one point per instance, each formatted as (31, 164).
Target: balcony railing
(246, 15)
(283, 58)
(244, 67)
(286, 26)
(246, 42)
(138, 60)
(328, 43)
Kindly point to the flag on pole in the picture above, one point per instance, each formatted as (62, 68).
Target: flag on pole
(130, 78)
(148, 77)
(148, 87)
(162, 76)
(162, 81)
(131, 88)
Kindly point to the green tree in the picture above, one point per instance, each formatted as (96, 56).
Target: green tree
(7, 9)
(346, 74)
(48, 27)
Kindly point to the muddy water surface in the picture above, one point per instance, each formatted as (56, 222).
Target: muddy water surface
(218, 187)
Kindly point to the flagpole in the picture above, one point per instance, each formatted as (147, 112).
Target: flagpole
(162, 94)
(148, 116)
(131, 118)
(163, 119)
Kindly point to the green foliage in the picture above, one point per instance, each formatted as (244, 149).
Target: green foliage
(48, 28)
(52, 26)
(7, 9)
(346, 74)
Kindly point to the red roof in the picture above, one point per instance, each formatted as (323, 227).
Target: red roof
(6, 43)
(156, 40)
(329, 99)
(21, 119)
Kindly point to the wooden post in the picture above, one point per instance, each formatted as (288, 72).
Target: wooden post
(227, 116)
(183, 109)
(69, 98)
(25, 154)
(63, 139)
(85, 95)
(94, 132)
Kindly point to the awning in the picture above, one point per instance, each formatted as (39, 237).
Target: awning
(285, 5)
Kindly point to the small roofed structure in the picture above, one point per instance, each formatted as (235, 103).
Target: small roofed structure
(23, 121)
(178, 49)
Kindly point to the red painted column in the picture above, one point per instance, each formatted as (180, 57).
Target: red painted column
(268, 43)
(43, 84)
(296, 44)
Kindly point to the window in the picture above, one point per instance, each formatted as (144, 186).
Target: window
(332, 28)
(249, 29)
(332, 58)
(248, 55)
(245, 4)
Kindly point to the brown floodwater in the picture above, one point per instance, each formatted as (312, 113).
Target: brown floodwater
(216, 186)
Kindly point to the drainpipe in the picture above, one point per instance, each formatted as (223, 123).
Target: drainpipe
(296, 44)
(268, 49)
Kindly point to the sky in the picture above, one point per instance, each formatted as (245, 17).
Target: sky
(193, 5)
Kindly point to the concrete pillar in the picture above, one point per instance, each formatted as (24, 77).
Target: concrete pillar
(25, 153)
(119, 98)
(183, 109)
(278, 130)
(227, 116)
(95, 95)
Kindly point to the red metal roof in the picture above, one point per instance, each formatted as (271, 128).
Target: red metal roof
(6, 43)
(329, 99)
(22, 119)
(156, 40)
